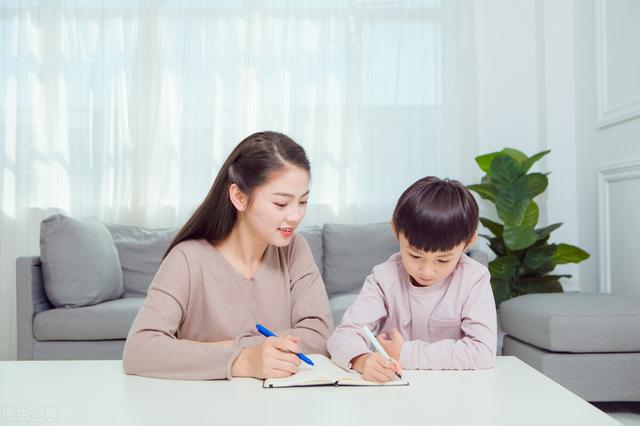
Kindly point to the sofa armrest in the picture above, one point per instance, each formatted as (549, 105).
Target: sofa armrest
(30, 299)
(479, 256)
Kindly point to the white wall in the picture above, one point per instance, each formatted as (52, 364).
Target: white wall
(526, 99)
(614, 149)
(537, 88)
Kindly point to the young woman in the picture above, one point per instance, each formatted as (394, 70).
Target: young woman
(237, 262)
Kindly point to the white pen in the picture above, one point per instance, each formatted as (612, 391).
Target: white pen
(376, 345)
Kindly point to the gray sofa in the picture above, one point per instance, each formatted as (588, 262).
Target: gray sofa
(344, 254)
(587, 342)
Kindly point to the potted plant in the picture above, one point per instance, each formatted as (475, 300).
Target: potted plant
(524, 259)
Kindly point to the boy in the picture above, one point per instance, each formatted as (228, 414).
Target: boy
(432, 305)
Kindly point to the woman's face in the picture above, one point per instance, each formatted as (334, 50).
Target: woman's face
(277, 207)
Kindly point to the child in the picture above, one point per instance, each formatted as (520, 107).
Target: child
(431, 304)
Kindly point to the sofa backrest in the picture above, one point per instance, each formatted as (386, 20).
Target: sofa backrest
(351, 252)
(313, 235)
(140, 251)
(345, 254)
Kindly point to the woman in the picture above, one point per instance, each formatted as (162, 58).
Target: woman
(237, 262)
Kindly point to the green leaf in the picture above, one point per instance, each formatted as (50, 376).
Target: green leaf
(544, 284)
(526, 165)
(548, 287)
(520, 286)
(512, 203)
(486, 179)
(536, 257)
(504, 171)
(536, 184)
(519, 156)
(560, 276)
(497, 245)
(488, 192)
(531, 216)
(501, 290)
(542, 242)
(544, 269)
(566, 253)
(492, 226)
(517, 238)
(484, 161)
(504, 267)
(544, 232)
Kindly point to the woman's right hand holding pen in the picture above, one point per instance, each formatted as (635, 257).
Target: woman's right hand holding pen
(274, 357)
(375, 367)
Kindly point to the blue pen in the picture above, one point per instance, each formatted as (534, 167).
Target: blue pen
(268, 333)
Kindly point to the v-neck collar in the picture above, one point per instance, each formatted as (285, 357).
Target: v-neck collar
(232, 269)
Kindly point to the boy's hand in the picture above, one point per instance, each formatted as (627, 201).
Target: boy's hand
(392, 346)
(376, 368)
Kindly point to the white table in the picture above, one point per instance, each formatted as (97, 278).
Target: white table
(99, 393)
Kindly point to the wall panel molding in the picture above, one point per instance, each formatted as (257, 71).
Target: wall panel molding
(608, 111)
(607, 175)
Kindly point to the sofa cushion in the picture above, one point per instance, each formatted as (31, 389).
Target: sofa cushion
(351, 252)
(140, 251)
(108, 320)
(574, 322)
(592, 376)
(313, 235)
(339, 305)
(80, 264)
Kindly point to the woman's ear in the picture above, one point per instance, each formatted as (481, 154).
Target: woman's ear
(238, 198)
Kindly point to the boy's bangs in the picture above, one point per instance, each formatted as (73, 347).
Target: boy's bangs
(433, 232)
(436, 215)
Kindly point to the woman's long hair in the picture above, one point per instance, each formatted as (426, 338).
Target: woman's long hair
(248, 166)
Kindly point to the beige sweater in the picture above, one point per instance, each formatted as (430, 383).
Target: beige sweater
(197, 297)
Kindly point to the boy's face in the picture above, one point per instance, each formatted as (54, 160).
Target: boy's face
(428, 268)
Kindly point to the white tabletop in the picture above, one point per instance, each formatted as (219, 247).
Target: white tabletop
(99, 393)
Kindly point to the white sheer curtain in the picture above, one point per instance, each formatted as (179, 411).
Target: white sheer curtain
(125, 110)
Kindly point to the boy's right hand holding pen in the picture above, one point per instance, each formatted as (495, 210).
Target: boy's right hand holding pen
(376, 367)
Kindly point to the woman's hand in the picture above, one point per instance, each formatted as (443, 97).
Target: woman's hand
(274, 357)
(376, 368)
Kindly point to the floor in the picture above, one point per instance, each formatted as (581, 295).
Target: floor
(627, 413)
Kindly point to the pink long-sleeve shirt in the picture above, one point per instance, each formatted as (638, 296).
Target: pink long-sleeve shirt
(448, 325)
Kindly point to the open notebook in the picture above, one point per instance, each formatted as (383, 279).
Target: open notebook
(325, 373)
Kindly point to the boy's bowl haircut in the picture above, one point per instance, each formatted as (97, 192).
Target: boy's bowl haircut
(436, 214)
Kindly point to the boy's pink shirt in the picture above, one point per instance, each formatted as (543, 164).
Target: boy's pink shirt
(448, 325)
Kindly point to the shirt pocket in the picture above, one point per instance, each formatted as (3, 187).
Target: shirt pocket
(441, 328)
